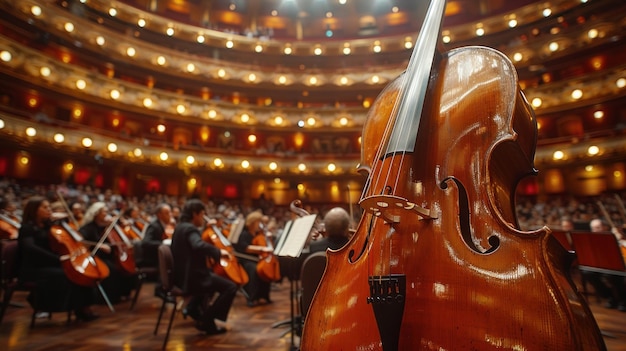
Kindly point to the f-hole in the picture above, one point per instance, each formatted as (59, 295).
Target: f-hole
(464, 219)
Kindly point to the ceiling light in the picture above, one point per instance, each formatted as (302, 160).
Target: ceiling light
(112, 147)
(287, 50)
(81, 84)
(100, 40)
(190, 160)
(229, 44)
(163, 156)
(169, 31)
(31, 132)
(131, 52)
(141, 22)
(112, 12)
(258, 48)
(317, 51)
(115, 94)
(5, 56)
(69, 27)
(245, 164)
(273, 166)
(558, 155)
(58, 138)
(200, 38)
(161, 61)
(577, 94)
(87, 142)
(35, 10)
(45, 71)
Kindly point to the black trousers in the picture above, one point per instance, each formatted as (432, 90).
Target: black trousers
(210, 286)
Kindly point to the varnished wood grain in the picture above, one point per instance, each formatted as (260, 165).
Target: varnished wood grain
(249, 328)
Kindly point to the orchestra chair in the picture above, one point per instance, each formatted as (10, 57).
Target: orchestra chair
(171, 293)
(564, 238)
(598, 252)
(143, 272)
(10, 283)
(310, 276)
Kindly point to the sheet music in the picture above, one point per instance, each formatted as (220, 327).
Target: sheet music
(297, 236)
(281, 238)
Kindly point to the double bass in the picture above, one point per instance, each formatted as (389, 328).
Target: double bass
(438, 261)
(226, 267)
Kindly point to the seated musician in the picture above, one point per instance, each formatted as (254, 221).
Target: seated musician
(155, 234)
(78, 211)
(256, 288)
(192, 275)
(39, 264)
(608, 286)
(95, 223)
(337, 231)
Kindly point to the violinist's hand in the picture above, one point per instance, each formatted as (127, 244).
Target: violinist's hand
(55, 216)
(105, 248)
(224, 253)
(64, 258)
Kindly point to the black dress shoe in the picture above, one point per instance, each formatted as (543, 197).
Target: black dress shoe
(86, 316)
(192, 312)
(215, 331)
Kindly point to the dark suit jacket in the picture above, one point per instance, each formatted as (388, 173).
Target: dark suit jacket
(152, 238)
(334, 243)
(190, 253)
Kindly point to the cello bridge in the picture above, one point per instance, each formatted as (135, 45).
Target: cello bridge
(391, 208)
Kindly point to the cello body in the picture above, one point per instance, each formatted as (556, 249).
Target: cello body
(268, 266)
(226, 267)
(122, 249)
(446, 267)
(81, 268)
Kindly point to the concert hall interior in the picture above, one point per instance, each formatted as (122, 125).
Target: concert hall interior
(267, 111)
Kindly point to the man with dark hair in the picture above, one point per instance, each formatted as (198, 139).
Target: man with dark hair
(192, 274)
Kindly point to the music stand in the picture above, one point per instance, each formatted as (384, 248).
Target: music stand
(289, 247)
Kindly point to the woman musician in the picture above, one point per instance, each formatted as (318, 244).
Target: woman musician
(39, 264)
(95, 224)
(257, 288)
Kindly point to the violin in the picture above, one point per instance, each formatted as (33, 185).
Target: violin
(268, 267)
(9, 227)
(227, 267)
(437, 261)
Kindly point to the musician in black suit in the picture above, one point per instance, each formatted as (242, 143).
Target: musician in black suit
(154, 235)
(192, 275)
(337, 231)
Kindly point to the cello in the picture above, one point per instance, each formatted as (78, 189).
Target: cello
(9, 227)
(268, 267)
(227, 267)
(82, 268)
(438, 261)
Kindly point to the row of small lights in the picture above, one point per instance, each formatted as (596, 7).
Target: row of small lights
(147, 102)
(512, 22)
(115, 94)
(577, 94)
(87, 143)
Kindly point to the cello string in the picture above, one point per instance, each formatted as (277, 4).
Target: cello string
(418, 72)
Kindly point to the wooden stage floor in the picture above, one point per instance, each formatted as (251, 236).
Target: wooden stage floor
(249, 328)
